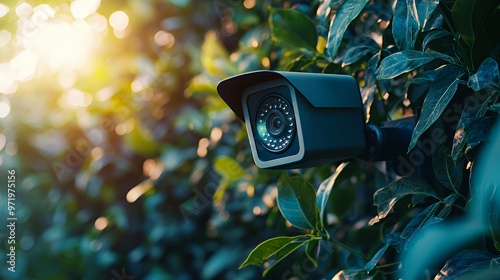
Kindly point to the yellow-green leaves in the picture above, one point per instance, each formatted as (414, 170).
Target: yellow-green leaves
(215, 59)
(304, 209)
(273, 250)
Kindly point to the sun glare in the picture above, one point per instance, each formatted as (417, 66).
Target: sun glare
(59, 41)
(63, 45)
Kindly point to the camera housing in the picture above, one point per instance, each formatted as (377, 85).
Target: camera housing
(297, 120)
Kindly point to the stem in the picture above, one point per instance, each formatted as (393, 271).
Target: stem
(468, 60)
(354, 251)
(388, 265)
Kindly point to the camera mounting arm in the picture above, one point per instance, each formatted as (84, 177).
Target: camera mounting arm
(389, 141)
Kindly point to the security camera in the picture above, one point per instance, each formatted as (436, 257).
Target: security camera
(297, 120)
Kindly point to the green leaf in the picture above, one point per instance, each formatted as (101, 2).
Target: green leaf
(433, 35)
(278, 247)
(448, 172)
(293, 29)
(486, 77)
(465, 263)
(405, 26)
(485, 178)
(438, 97)
(462, 12)
(426, 77)
(324, 11)
(425, 8)
(477, 130)
(312, 251)
(347, 13)
(402, 62)
(418, 221)
(448, 204)
(370, 265)
(297, 202)
(476, 106)
(386, 197)
(324, 190)
(351, 274)
(431, 243)
(215, 59)
(342, 199)
(228, 168)
(361, 47)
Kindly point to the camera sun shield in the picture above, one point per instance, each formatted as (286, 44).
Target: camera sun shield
(297, 120)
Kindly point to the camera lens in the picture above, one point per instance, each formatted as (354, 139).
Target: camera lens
(275, 123)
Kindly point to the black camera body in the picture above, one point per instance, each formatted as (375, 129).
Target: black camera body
(297, 120)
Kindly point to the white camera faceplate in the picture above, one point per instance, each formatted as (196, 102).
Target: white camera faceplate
(280, 158)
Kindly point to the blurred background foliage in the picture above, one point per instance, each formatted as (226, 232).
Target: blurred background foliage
(129, 163)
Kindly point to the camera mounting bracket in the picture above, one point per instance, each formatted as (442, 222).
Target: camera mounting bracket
(388, 141)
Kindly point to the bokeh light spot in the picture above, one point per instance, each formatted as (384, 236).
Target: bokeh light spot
(77, 98)
(164, 39)
(5, 37)
(24, 10)
(3, 10)
(101, 223)
(138, 190)
(24, 65)
(97, 22)
(216, 134)
(11, 148)
(249, 4)
(80, 9)
(8, 83)
(119, 20)
(63, 44)
(4, 107)
(125, 127)
(203, 147)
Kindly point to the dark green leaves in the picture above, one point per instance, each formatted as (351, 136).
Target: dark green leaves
(486, 83)
(293, 29)
(448, 172)
(402, 62)
(425, 8)
(462, 12)
(297, 202)
(410, 16)
(470, 264)
(386, 197)
(347, 13)
(405, 26)
(438, 97)
(486, 77)
(358, 49)
(325, 189)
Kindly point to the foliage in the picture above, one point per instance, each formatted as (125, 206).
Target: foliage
(151, 175)
(438, 60)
